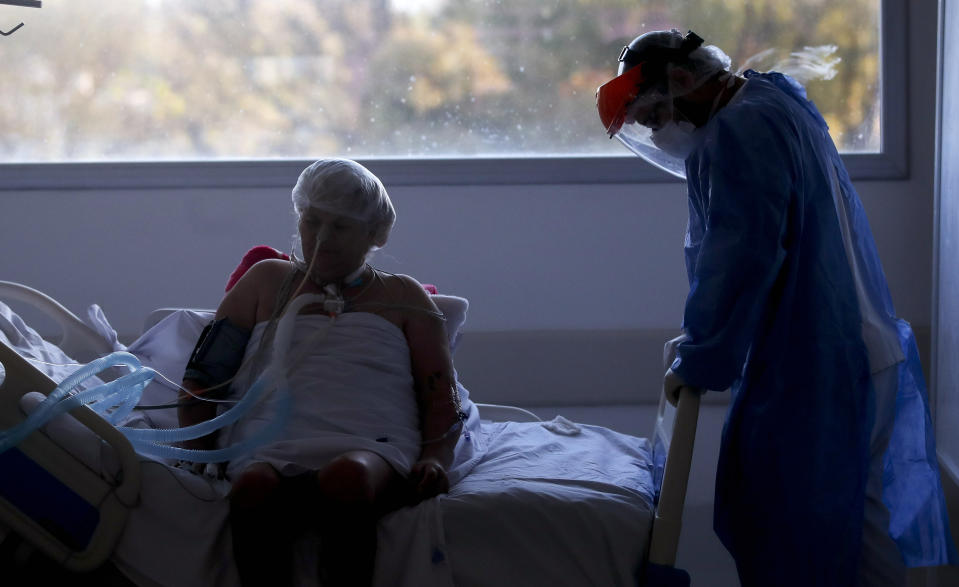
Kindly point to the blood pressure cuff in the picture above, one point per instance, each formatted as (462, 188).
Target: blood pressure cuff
(218, 354)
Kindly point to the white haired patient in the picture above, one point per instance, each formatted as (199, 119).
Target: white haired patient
(375, 414)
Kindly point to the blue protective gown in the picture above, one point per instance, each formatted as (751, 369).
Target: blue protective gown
(773, 315)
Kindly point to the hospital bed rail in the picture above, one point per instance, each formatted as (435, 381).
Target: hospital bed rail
(675, 431)
(76, 339)
(48, 496)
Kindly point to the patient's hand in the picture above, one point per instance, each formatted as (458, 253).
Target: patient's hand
(208, 470)
(427, 479)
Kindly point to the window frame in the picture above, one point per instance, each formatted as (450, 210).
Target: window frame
(890, 163)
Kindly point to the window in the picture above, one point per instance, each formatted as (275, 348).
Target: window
(251, 84)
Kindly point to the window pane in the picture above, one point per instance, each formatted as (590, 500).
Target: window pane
(96, 80)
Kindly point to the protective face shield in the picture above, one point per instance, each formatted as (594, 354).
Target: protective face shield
(668, 146)
(675, 138)
(641, 98)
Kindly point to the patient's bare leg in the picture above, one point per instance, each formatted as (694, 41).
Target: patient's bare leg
(356, 489)
(262, 540)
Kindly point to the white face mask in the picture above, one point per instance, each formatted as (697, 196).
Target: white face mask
(675, 138)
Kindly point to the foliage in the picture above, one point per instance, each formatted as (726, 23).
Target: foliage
(182, 79)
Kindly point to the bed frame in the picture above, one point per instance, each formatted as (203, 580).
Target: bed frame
(47, 496)
(88, 542)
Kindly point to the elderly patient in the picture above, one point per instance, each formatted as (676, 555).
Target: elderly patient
(374, 419)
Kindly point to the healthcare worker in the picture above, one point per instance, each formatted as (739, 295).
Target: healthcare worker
(827, 471)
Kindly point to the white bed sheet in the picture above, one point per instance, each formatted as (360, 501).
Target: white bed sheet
(541, 508)
(557, 510)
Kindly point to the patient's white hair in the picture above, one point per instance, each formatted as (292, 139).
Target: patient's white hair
(344, 187)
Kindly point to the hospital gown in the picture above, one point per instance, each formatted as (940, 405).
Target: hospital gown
(352, 389)
(781, 315)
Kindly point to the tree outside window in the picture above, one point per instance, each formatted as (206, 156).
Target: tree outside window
(101, 80)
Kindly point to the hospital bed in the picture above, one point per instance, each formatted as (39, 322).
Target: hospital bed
(553, 502)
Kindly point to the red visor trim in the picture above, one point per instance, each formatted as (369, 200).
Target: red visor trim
(614, 96)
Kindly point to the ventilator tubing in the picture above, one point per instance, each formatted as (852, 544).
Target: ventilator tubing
(118, 393)
(115, 400)
(147, 441)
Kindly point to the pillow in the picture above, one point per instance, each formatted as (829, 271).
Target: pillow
(251, 258)
(454, 310)
(166, 348)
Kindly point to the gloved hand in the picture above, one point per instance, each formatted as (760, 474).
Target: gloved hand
(669, 349)
(672, 383)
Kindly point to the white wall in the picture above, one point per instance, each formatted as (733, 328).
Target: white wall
(528, 258)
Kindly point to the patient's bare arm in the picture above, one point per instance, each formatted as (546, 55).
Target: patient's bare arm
(439, 431)
(438, 417)
(192, 411)
(239, 308)
(435, 394)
